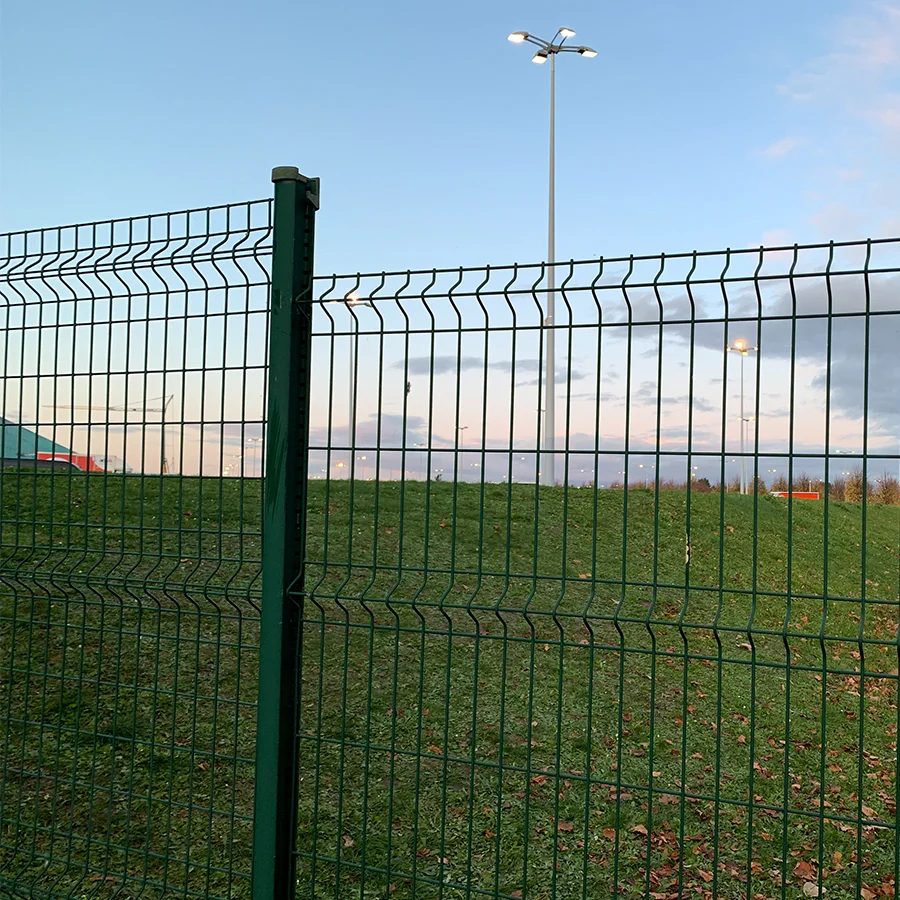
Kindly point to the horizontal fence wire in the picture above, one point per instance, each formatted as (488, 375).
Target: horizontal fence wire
(658, 661)
(133, 358)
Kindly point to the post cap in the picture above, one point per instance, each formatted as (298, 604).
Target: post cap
(286, 173)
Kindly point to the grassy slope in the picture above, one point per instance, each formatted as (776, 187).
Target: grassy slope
(507, 712)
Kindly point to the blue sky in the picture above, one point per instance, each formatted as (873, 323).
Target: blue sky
(700, 125)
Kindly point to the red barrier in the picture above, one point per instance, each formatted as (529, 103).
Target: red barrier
(76, 460)
(800, 495)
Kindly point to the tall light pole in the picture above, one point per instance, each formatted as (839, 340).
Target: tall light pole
(742, 348)
(549, 50)
(350, 301)
(422, 446)
(254, 444)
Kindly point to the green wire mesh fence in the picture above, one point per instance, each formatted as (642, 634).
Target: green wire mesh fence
(647, 650)
(134, 366)
(652, 677)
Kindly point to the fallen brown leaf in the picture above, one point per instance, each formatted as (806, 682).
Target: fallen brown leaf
(804, 870)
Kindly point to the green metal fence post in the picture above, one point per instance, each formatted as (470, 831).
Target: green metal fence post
(290, 343)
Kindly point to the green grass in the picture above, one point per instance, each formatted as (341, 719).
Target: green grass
(503, 690)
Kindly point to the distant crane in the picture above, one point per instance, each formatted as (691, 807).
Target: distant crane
(163, 462)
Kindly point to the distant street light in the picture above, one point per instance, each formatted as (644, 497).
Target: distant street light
(255, 448)
(422, 445)
(549, 50)
(350, 301)
(742, 348)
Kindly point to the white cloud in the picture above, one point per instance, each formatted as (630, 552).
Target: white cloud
(889, 226)
(837, 221)
(865, 56)
(887, 112)
(781, 148)
(777, 237)
(794, 92)
(851, 108)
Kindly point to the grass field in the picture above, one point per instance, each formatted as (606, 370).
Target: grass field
(504, 689)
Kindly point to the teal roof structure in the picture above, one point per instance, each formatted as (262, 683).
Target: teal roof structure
(19, 442)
